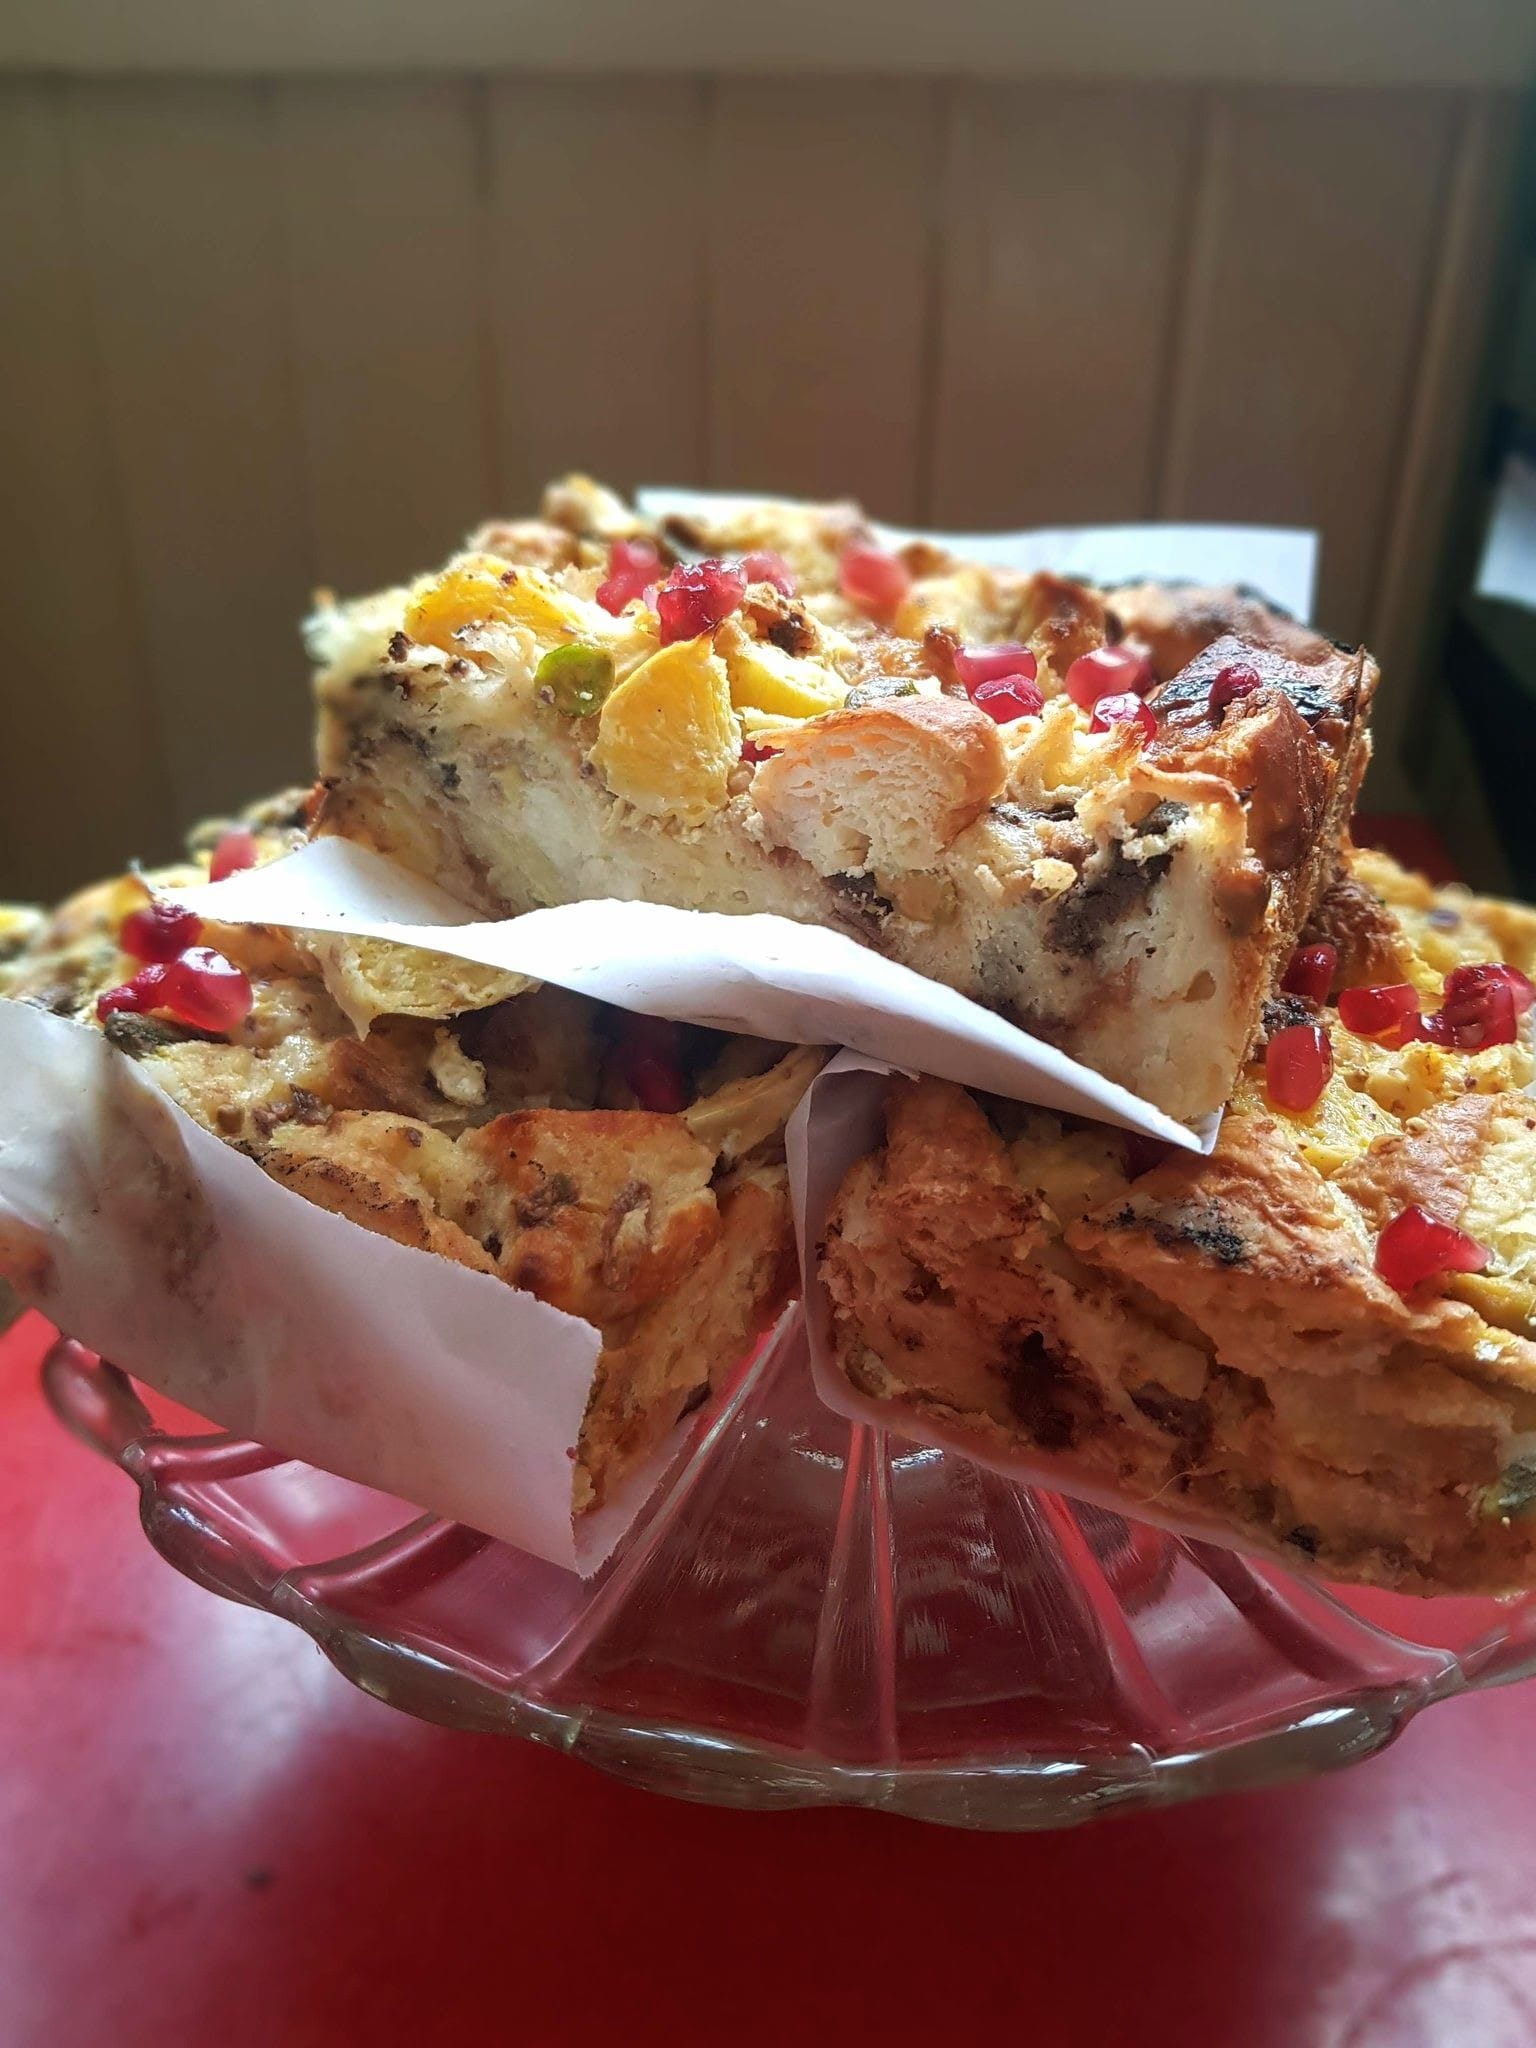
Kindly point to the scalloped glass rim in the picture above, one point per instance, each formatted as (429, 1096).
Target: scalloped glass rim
(816, 1613)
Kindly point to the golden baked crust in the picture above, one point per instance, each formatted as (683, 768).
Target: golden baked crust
(1177, 621)
(1129, 902)
(598, 1211)
(487, 1120)
(1212, 1336)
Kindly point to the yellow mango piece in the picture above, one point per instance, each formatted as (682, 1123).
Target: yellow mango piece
(765, 678)
(536, 601)
(756, 724)
(483, 591)
(667, 739)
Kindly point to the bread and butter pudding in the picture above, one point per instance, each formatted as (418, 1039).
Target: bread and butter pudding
(1319, 1341)
(623, 1169)
(1105, 815)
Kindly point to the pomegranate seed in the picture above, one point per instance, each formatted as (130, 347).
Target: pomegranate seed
(1433, 1028)
(767, 565)
(138, 994)
(1108, 672)
(656, 1086)
(235, 850)
(1463, 981)
(755, 751)
(1478, 1017)
(1142, 1154)
(695, 598)
(1297, 1063)
(1125, 709)
(1310, 973)
(1010, 697)
(632, 564)
(977, 665)
(1415, 1246)
(199, 987)
(158, 932)
(1378, 1010)
(1236, 680)
(648, 1060)
(203, 989)
(873, 580)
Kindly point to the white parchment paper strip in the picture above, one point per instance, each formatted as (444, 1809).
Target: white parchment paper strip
(177, 1258)
(1279, 561)
(765, 975)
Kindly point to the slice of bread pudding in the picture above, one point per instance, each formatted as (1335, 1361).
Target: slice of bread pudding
(1108, 825)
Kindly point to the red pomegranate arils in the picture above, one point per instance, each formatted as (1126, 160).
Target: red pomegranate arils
(1416, 1246)
(1108, 672)
(1310, 973)
(1142, 1154)
(1377, 1010)
(767, 565)
(1297, 1064)
(199, 988)
(1237, 679)
(977, 665)
(648, 1060)
(632, 564)
(657, 1087)
(1470, 980)
(695, 598)
(203, 989)
(1009, 697)
(755, 751)
(1125, 709)
(873, 580)
(159, 931)
(141, 992)
(236, 850)
(1480, 1016)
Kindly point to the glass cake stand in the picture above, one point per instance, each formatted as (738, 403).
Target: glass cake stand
(811, 1612)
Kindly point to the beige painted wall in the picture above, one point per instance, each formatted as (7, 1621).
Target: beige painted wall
(267, 333)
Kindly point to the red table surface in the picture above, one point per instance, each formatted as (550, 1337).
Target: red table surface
(207, 1836)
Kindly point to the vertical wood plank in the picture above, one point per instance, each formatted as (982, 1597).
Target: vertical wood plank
(1302, 319)
(1431, 449)
(1064, 215)
(596, 277)
(177, 189)
(383, 223)
(81, 781)
(823, 201)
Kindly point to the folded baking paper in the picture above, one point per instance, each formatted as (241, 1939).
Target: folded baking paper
(764, 975)
(1279, 561)
(177, 1258)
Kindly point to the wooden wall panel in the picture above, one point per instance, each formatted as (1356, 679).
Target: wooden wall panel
(596, 272)
(1064, 219)
(1431, 456)
(263, 335)
(82, 778)
(1311, 254)
(823, 203)
(383, 232)
(179, 215)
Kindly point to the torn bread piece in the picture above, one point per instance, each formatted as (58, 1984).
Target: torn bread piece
(1234, 1342)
